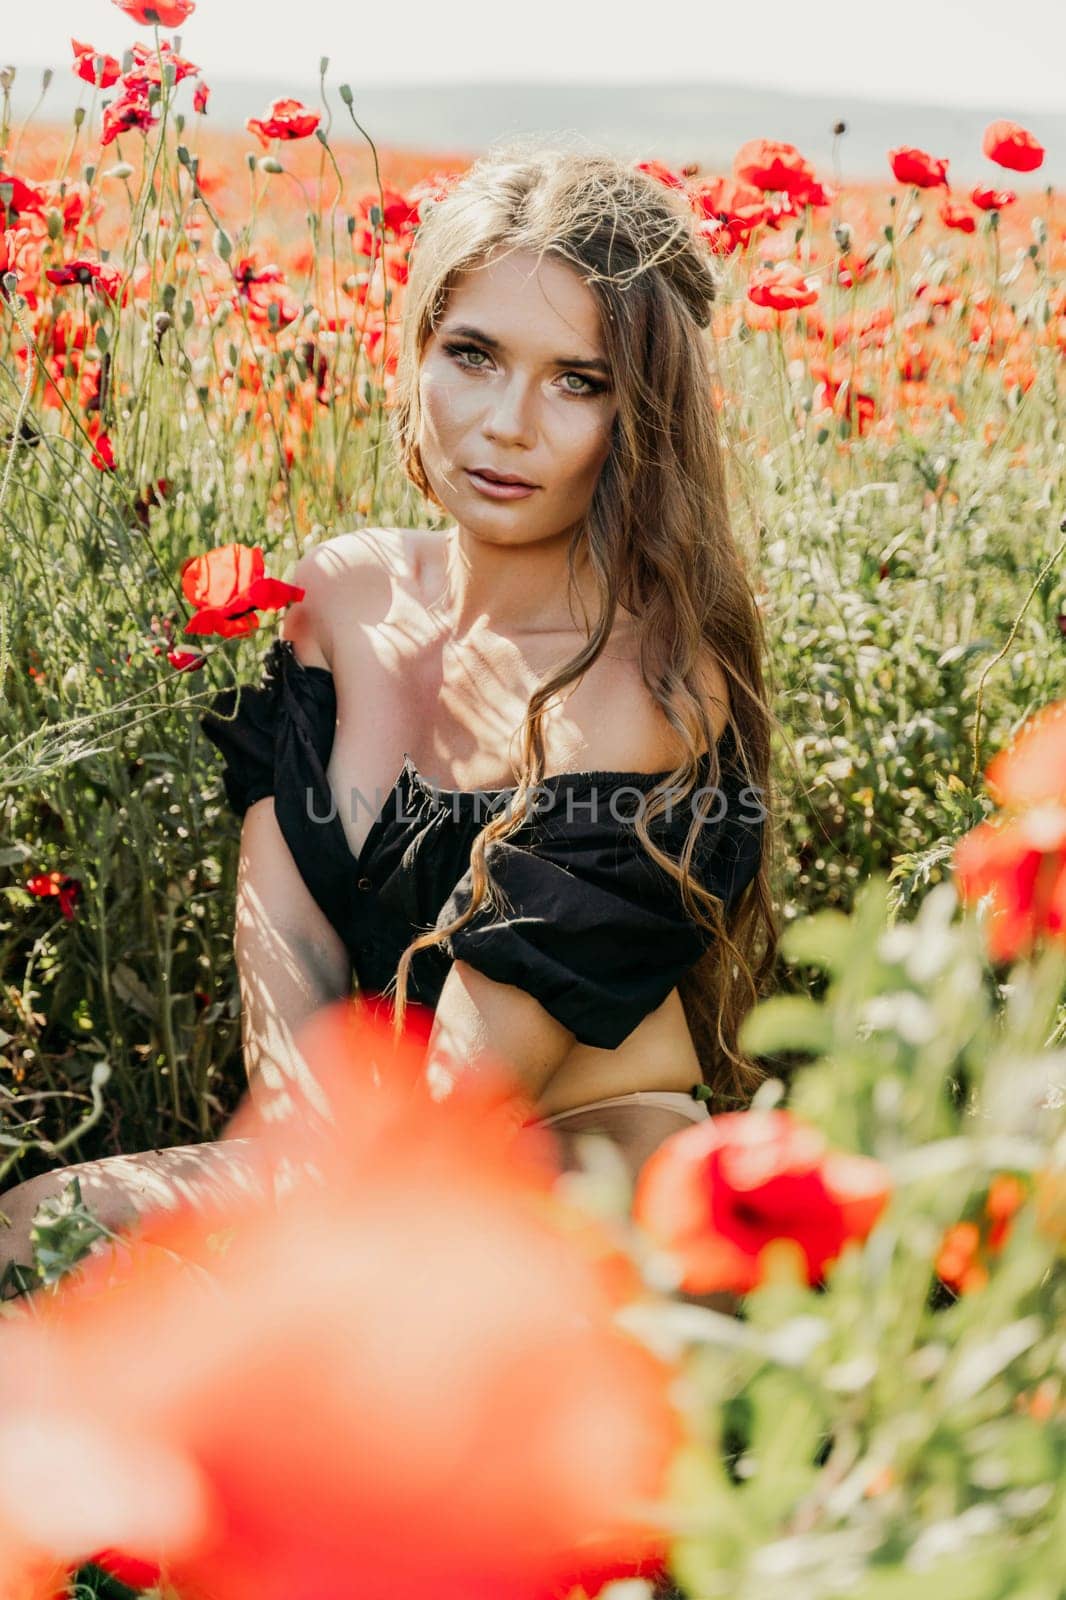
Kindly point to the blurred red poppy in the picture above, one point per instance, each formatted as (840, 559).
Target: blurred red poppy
(132, 111)
(988, 199)
(103, 456)
(918, 167)
(967, 1248)
(955, 216)
(957, 1260)
(664, 174)
(782, 288)
(286, 119)
(717, 1194)
(771, 165)
(167, 13)
(227, 586)
(94, 66)
(24, 197)
(1032, 769)
(1018, 858)
(185, 660)
(149, 68)
(127, 1569)
(1010, 145)
(104, 279)
(402, 1361)
(66, 888)
(1022, 865)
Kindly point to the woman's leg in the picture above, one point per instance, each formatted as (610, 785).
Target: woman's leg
(117, 1189)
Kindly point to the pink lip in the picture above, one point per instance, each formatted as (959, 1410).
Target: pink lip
(500, 491)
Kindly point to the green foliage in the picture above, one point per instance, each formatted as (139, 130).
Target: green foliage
(879, 1435)
(64, 1231)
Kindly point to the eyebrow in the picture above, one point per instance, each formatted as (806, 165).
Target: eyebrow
(466, 331)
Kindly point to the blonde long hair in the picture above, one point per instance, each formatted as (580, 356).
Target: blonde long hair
(657, 532)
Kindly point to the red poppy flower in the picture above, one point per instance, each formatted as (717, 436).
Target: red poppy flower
(67, 890)
(227, 586)
(101, 277)
(1018, 858)
(664, 174)
(954, 216)
(301, 1437)
(185, 660)
(1031, 771)
(717, 1194)
(132, 111)
(957, 1261)
(127, 1569)
(852, 269)
(919, 167)
(165, 13)
(989, 199)
(731, 201)
(13, 241)
(147, 68)
(24, 197)
(840, 384)
(783, 288)
(94, 66)
(287, 119)
(772, 165)
(103, 452)
(199, 98)
(1010, 145)
(967, 1248)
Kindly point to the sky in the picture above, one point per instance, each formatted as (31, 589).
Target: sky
(947, 52)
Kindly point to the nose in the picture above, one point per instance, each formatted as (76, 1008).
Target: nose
(509, 413)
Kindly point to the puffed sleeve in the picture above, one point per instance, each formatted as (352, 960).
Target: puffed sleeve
(279, 743)
(287, 722)
(597, 932)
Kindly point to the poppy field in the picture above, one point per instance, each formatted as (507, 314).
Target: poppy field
(818, 1347)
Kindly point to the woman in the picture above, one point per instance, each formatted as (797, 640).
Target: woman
(576, 662)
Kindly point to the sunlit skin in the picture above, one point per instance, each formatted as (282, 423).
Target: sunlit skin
(520, 405)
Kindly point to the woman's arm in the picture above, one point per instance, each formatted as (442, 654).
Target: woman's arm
(290, 960)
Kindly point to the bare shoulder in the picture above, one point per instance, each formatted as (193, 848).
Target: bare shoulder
(351, 576)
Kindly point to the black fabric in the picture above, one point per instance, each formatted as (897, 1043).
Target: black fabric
(595, 930)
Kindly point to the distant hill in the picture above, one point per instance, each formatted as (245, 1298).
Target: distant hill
(702, 122)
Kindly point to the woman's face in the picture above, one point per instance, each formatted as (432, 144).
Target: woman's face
(515, 380)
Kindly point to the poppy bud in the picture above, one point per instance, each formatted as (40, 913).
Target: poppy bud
(269, 164)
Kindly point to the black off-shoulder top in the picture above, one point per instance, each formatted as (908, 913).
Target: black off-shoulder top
(596, 931)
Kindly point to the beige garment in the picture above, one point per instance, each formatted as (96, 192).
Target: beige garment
(635, 1123)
